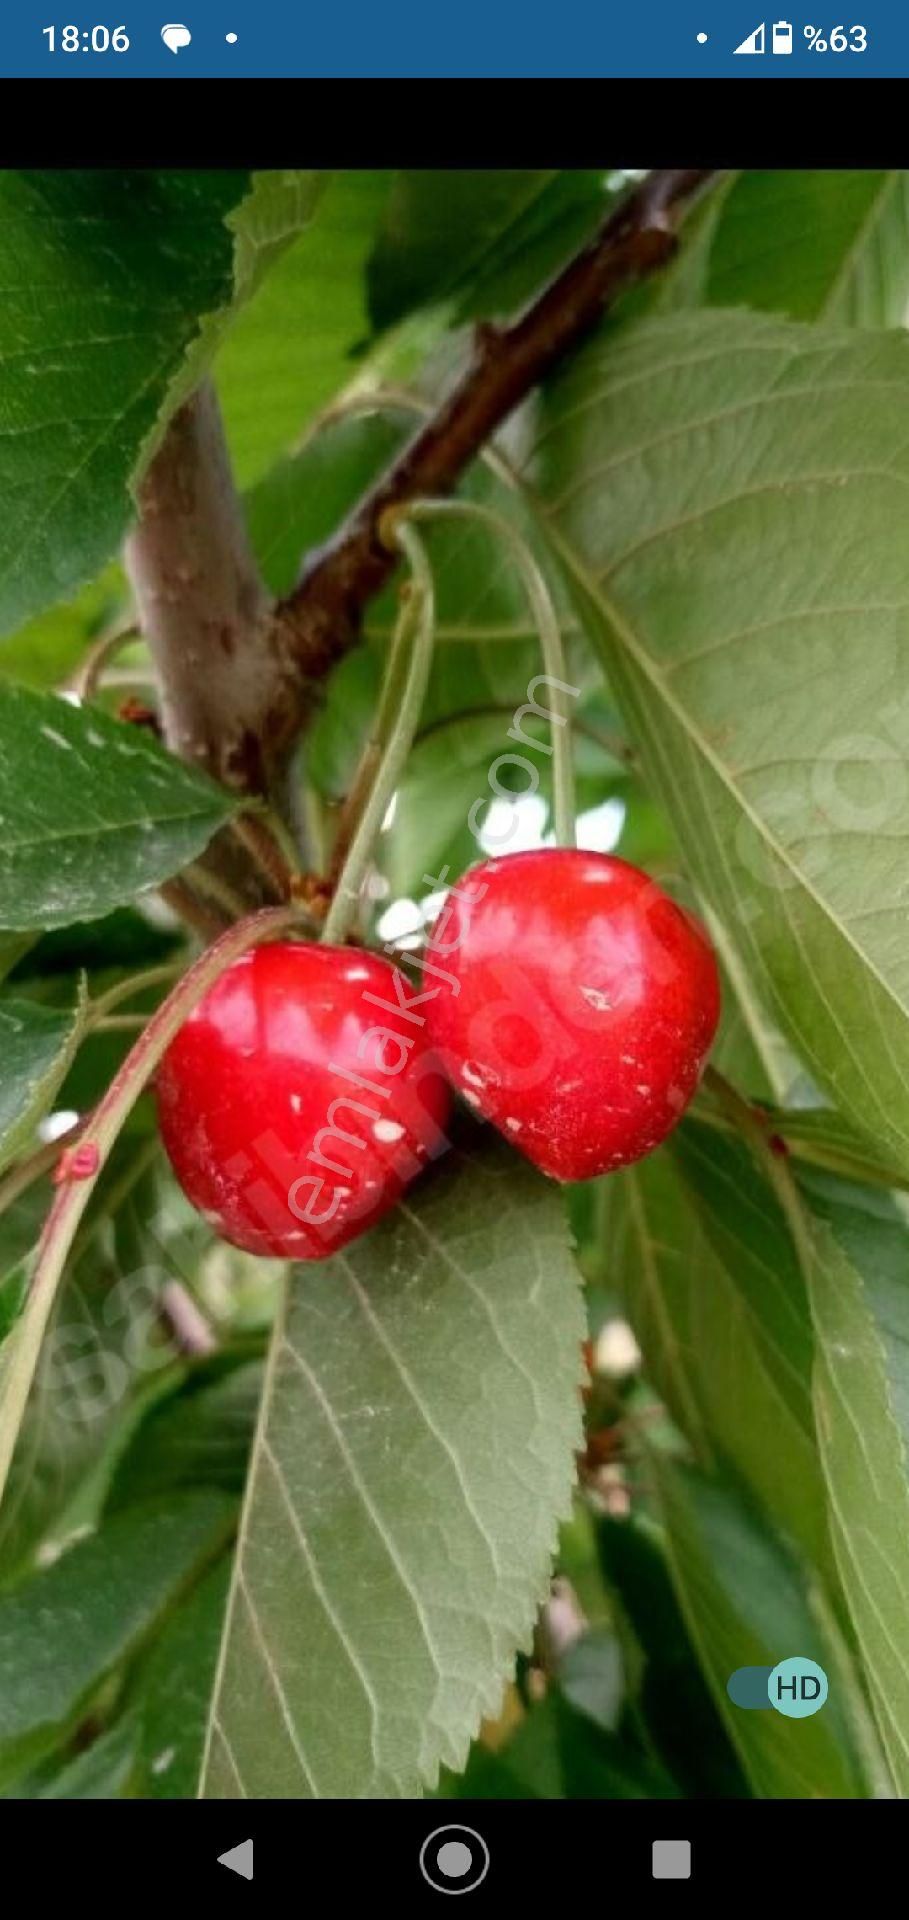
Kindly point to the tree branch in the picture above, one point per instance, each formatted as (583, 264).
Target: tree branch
(238, 674)
(203, 608)
(320, 620)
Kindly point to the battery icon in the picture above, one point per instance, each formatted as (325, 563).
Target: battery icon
(782, 36)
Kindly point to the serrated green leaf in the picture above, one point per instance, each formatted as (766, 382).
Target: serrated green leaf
(528, 1767)
(414, 1458)
(62, 1631)
(120, 265)
(36, 1048)
(92, 811)
(278, 207)
(724, 494)
(293, 347)
(557, 1753)
(264, 224)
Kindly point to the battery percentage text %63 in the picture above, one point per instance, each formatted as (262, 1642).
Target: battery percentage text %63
(836, 39)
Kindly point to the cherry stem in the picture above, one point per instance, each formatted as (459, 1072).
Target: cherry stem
(137, 983)
(23, 1346)
(412, 644)
(777, 1169)
(85, 681)
(393, 686)
(272, 851)
(546, 621)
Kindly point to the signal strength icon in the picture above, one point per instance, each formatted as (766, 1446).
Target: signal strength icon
(754, 42)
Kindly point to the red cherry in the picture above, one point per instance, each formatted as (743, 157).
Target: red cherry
(578, 1007)
(301, 1097)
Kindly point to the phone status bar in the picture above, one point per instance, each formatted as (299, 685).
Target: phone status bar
(517, 39)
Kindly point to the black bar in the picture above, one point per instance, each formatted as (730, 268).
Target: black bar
(550, 1853)
(446, 123)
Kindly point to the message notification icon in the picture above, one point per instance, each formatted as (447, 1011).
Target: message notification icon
(176, 37)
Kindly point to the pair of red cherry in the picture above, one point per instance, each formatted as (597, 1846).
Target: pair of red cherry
(563, 994)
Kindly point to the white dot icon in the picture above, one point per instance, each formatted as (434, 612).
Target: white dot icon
(231, 39)
(700, 38)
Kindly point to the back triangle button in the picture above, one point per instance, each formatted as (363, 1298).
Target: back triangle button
(239, 1860)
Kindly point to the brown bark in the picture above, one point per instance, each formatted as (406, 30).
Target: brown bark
(207, 617)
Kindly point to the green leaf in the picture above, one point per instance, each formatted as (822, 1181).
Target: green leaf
(47, 649)
(198, 1437)
(747, 1602)
(816, 245)
(36, 1047)
(420, 257)
(171, 1690)
(694, 472)
(561, 219)
(822, 1137)
(445, 776)
(121, 264)
(13, 1290)
(414, 1457)
(859, 1253)
(695, 1240)
(102, 1772)
(278, 206)
(123, 940)
(104, 1349)
(301, 500)
(558, 1753)
(93, 811)
(63, 1630)
(528, 1767)
(591, 1676)
(748, 1049)
(674, 1699)
(13, 948)
(292, 348)
(485, 239)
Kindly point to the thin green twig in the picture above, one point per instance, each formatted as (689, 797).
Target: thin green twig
(546, 621)
(413, 644)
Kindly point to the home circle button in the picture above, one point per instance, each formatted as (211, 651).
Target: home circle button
(454, 1859)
